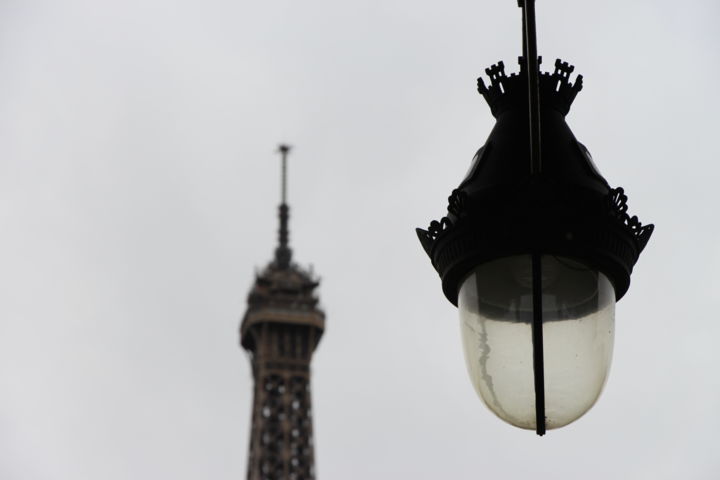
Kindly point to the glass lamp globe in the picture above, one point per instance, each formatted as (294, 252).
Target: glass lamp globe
(578, 321)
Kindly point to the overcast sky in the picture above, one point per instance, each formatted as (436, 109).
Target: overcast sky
(138, 194)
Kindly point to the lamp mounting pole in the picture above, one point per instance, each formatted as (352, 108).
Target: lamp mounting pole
(533, 68)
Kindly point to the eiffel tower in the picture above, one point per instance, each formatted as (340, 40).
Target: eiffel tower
(280, 331)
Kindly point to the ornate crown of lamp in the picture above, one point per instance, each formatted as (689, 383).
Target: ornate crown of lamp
(535, 250)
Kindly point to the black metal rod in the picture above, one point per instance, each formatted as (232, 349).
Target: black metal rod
(533, 68)
(524, 37)
(537, 341)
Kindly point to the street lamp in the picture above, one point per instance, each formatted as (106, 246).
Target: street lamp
(535, 250)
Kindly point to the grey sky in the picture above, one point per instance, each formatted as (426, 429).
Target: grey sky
(138, 193)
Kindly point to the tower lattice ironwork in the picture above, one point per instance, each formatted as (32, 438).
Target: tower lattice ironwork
(280, 331)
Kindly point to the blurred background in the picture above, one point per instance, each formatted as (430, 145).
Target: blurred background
(138, 193)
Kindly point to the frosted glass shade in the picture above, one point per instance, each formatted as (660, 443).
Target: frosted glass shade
(495, 304)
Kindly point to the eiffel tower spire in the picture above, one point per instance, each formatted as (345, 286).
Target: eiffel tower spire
(281, 328)
(283, 253)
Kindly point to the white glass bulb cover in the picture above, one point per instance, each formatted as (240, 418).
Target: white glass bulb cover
(578, 310)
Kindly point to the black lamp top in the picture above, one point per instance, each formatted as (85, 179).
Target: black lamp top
(503, 208)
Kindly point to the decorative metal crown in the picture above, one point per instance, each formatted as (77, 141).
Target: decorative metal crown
(459, 207)
(617, 209)
(507, 92)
